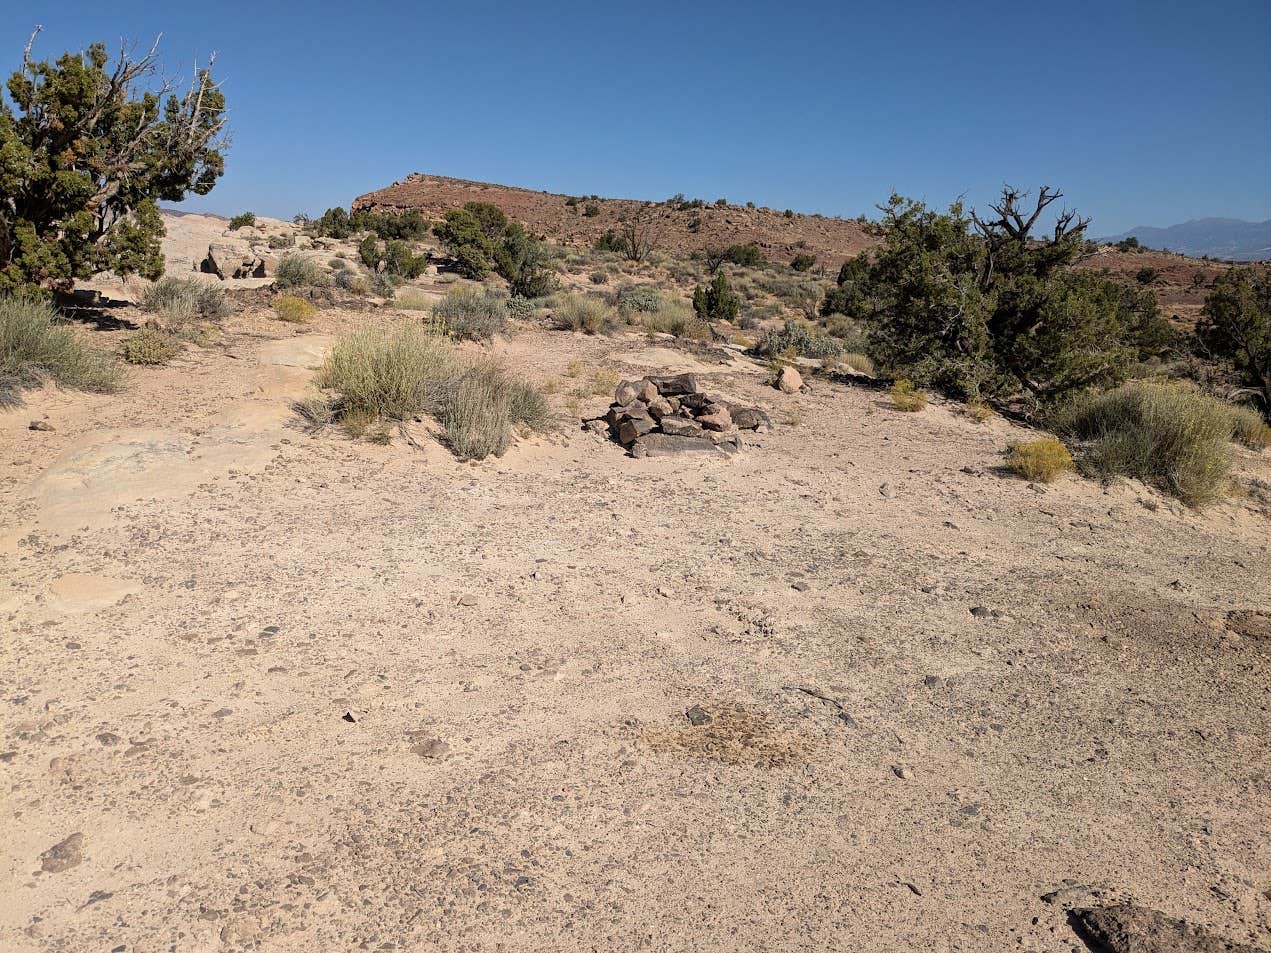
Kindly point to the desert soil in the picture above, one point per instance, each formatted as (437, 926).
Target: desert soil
(271, 690)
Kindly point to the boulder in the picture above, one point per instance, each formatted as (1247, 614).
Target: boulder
(750, 418)
(673, 385)
(715, 418)
(789, 381)
(635, 427)
(660, 407)
(627, 392)
(666, 445)
(232, 260)
(648, 391)
(681, 427)
(1127, 928)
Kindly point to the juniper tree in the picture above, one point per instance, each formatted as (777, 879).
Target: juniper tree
(87, 149)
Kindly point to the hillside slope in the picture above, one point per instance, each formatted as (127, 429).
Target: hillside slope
(831, 240)
(1229, 238)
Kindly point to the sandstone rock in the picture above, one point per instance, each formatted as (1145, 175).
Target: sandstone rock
(63, 855)
(717, 419)
(232, 260)
(665, 445)
(627, 392)
(673, 385)
(789, 381)
(633, 428)
(660, 407)
(648, 391)
(1129, 928)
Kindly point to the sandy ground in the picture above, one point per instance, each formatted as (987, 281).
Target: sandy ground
(294, 692)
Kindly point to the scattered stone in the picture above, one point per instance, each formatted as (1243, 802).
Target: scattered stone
(596, 426)
(39, 425)
(350, 717)
(933, 681)
(751, 418)
(467, 600)
(234, 260)
(108, 739)
(1073, 893)
(719, 419)
(64, 855)
(789, 380)
(222, 713)
(698, 716)
(1129, 928)
(903, 772)
(665, 444)
(981, 612)
(645, 413)
(800, 586)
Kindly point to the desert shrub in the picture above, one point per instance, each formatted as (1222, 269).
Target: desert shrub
(906, 396)
(351, 281)
(718, 302)
(294, 310)
(520, 308)
(1248, 428)
(676, 317)
(1167, 434)
(1039, 459)
(245, 220)
(803, 261)
(472, 312)
(638, 299)
(574, 312)
(797, 338)
(185, 299)
(598, 278)
(297, 271)
(1236, 327)
(979, 411)
(1147, 275)
(479, 410)
(591, 210)
(383, 284)
(471, 235)
(283, 240)
(985, 307)
(150, 346)
(747, 256)
(35, 345)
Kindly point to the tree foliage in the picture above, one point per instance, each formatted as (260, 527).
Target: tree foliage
(990, 305)
(480, 238)
(87, 149)
(718, 302)
(1236, 326)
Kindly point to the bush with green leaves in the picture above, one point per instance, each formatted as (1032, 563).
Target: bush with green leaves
(471, 234)
(525, 262)
(472, 312)
(186, 299)
(1235, 326)
(676, 317)
(638, 299)
(575, 312)
(245, 220)
(1169, 434)
(36, 345)
(151, 347)
(797, 338)
(718, 301)
(520, 308)
(298, 271)
(986, 307)
(803, 261)
(87, 150)
(746, 256)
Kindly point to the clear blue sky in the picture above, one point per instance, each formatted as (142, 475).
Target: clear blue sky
(1144, 113)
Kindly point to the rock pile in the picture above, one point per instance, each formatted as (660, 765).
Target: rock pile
(672, 414)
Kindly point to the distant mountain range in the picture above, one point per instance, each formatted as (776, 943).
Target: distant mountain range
(1229, 238)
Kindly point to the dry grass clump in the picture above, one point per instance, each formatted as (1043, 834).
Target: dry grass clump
(858, 363)
(1168, 434)
(1248, 428)
(472, 312)
(575, 312)
(180, 300)
(294, 310)
(1039, 459)
(675, 317)
(151, 347)
(907, 397)
(980, 411)
(297, 271)
(35, 345)
(412, 299)
(376, 377)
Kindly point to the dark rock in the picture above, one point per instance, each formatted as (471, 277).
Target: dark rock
(665, 445)
(64, 855)
(980, 612)
(350, 717)
(750, 418)
(627, 392)
(632, 429)
(660, 407)
(39, 425)
(673, 385)
(697, 716)
(695, 402)
(681, 427)
(648, 391)
(1129, 928)
(431, 748)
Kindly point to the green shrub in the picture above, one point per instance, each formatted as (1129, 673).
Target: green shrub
(150, 346)
(598, 278)
(185, 299)
(297, 271)
(747, 256)
(676, 317)
(35, 345)
(797, 338)
(591, 210)
(472, 312)
(1039, 459)
(718, 302)
(638, 299)
(351, 281)
(574, 312)
(1167, 434)
(245, 220)
(294, 310)
(1236, 326)
(803, 261)
(1147, 275)
(520, 308)
(1248, 428)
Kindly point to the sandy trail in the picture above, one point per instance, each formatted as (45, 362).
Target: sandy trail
(196, 595)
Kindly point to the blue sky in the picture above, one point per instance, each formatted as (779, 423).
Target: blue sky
(1143, 113)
